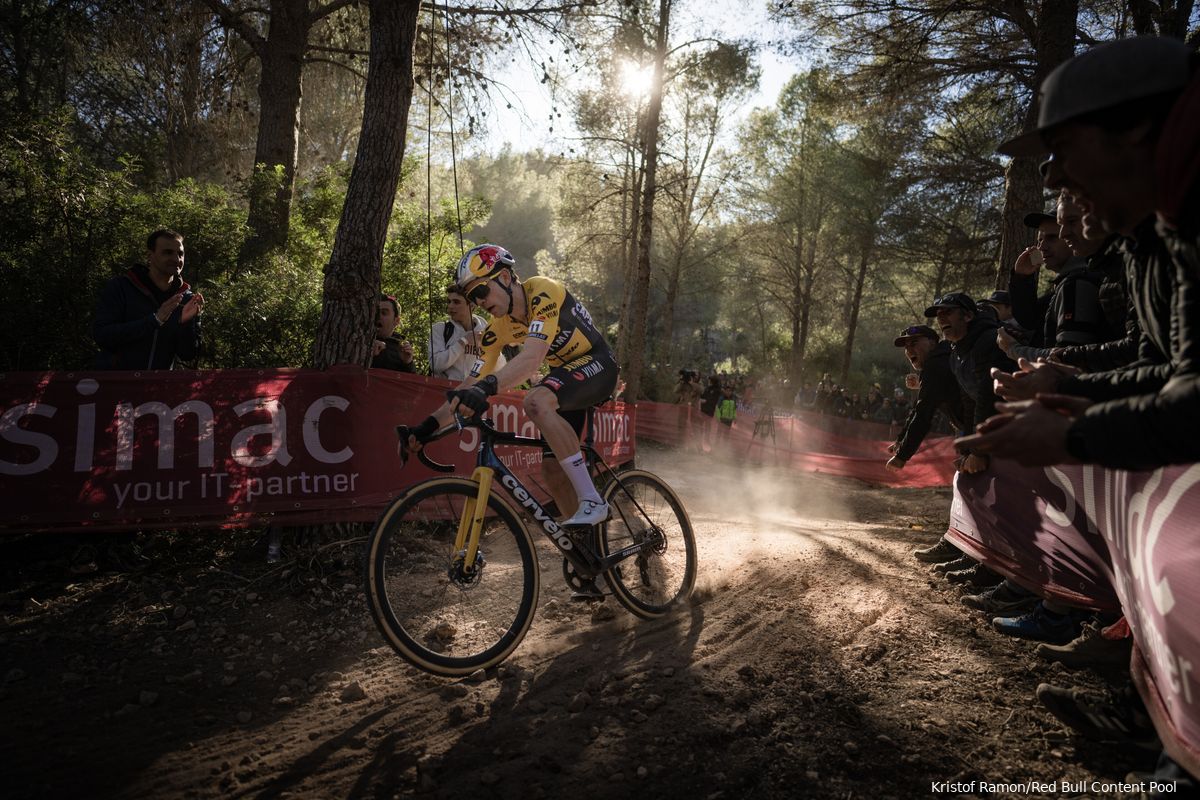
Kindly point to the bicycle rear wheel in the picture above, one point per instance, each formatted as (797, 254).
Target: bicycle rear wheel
(436, 614)
(646, 511)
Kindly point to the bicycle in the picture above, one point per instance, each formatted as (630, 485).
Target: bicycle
(452, 579)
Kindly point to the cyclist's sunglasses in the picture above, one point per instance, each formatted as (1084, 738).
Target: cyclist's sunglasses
(477, 294)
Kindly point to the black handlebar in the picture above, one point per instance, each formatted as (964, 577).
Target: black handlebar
(433, 465)
(490, 433)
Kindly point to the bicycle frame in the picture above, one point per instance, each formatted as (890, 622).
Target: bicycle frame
(488, 467)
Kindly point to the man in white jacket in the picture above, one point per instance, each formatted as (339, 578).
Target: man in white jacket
(455, 344)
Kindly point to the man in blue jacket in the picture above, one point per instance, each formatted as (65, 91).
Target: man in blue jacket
(149, 317)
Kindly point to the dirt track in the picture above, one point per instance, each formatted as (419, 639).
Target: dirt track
(817, 659)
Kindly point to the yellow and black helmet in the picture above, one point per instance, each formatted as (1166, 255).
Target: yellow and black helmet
(481, 264)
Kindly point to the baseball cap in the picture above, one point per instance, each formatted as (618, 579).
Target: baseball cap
(1105, 76)
(953, 300)
(1035, 219)
(999, 296)
(913, 332)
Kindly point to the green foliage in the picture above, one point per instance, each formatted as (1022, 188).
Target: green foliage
(263, 317)
(60, 224)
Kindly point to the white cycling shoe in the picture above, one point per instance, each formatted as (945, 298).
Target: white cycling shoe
(589, 513)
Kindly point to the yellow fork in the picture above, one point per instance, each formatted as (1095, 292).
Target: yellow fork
(470, 525)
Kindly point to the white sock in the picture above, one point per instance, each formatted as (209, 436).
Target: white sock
(576, 468)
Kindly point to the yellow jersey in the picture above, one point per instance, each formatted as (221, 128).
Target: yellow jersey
(553, 316)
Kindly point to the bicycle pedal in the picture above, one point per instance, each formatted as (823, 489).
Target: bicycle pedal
(586, 591)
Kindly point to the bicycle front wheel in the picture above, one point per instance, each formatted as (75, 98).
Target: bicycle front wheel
(439, 614)
(647, 512)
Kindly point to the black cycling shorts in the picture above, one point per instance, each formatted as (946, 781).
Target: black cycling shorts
(582, 383)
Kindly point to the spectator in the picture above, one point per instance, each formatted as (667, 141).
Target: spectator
(727, 407)
(883, 414)
(1105, 267)
(708, 406)
(874, 399)
(454, 344)
(900, 406)
(390, 350)
(687, 388)
(856, 408)
(973, 354)
(1072, 314)
(939, 392)
(1000, 302)
(1029, 309)
(710, 396)
(149, 317)
(1106, 255)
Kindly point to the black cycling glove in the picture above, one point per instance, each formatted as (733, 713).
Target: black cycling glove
(475, 397)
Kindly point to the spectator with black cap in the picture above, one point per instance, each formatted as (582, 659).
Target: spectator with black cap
(1000, 302)
(930, 357)
(1029, 309)
(940, 391)
(973, 354)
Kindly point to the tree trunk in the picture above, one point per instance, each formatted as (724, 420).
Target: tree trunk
(795, 369)
(639, 297)
(806, 294)
(352, 277)
(1022, 183)
(855, 303)
(633, 187)
(281, 57)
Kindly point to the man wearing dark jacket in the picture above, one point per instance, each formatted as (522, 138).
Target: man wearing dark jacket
(1029, 309)
(1070, 312)
(390, 350)
(939, 391)
(973, 355)
(148, 318)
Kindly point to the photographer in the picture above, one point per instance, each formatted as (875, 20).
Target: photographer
(149, 318)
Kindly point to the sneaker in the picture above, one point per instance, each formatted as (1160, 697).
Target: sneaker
(587, 592)
(1040, 625)
(976, 577)
(962, 562)
(939, 553)
(589, 513)
(1094, 718)
(1004, 598)
(1089, 649)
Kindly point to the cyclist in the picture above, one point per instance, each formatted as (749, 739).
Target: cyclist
(553, 327)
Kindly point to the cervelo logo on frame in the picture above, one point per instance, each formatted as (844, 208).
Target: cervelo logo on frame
(548, 524)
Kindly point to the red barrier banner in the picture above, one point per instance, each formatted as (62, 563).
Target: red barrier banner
(230, 447)
(809, 442)
(1104, 539)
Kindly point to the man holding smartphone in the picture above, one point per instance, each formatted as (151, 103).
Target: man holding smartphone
(149, 317)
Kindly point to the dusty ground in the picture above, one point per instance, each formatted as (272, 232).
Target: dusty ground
(818, 659)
